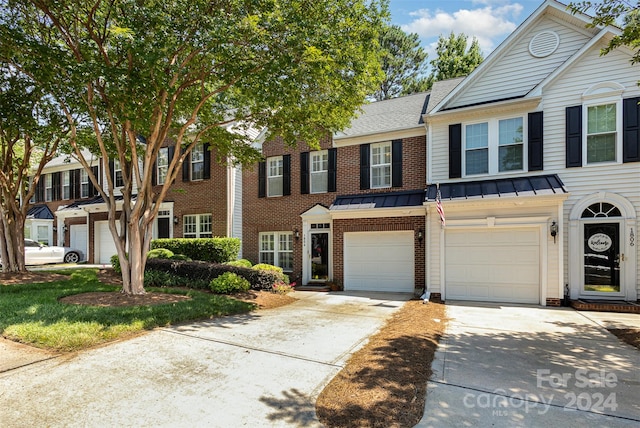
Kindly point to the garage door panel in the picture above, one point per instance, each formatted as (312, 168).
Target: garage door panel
(501, 265)
(379, 261)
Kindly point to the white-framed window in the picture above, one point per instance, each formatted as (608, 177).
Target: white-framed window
(381, 165)
(493, 147)
(84, 183)
(48, 187)
(276, 248)
(275, 176)
(197, 226)
(117, 174)
(197, 162)
(602, 126)
(66, 184)
(43, 234)
(162, 165)
(319, 171)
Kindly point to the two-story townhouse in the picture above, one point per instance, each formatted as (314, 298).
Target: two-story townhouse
(204, 201)
(350, 210)
(537, 157)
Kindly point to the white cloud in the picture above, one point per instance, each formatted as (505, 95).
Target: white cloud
(489, 24)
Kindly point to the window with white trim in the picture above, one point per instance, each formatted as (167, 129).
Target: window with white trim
(117, 174)
(275, 176)
(319, 171)
(48, 187)
(66, 184)
(197, 226)
(84, 183)
(493, 147)
(162, 165)
(276, 248)
(602, 133)
(381, 165)
(197, 162)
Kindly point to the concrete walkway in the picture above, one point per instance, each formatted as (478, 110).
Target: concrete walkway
(259, 369)
(522, 366)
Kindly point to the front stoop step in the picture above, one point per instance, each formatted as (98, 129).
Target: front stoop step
(606, 306)
(314, 287)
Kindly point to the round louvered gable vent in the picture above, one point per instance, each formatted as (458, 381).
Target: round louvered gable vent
(544, 44)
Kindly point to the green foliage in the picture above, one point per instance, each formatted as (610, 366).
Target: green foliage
(197, 272)
(228, 283)
(160, 253)
(277, 271)
(453, 58)
(241, 262)
(215, 250)
(404, 63)
(33, 314)
(617, 13)
(180, 257)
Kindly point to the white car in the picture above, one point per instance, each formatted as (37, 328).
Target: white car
(36, 253)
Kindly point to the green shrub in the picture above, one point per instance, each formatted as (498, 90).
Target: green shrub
(280, 276)
(215, 250)
(180, 257)
(242, 263)
(228, 283)
(159, 253)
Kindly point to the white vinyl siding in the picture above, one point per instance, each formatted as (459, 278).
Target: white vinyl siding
(276, 248)
(319, 168)
(275, 176)
(196, 226)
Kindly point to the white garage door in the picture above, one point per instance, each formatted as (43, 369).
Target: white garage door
(379, 261)
(497, 265)
(78, 237)
(104, 242)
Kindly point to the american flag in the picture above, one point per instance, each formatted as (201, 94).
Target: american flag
(439, 207)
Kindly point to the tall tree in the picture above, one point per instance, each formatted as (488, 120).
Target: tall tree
(30, 131)
(133, 75)
(616, 13)
(453, 58)
(404, 63)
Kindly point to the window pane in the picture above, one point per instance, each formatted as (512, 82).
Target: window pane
(197, 162)
(43, 234)
(319, 161)
(510, 131)
(274, 186)
(381, 176)
(163, 164)
(477, 135)
(285, 261)
(510, 158)
(319, 182)
(189, 228)
(66, 187)
(476, 161)
(84, 184)
(601, 118)
(266, 242)
(380, 154)
(266, 258)
(275, 166)
(601, 148)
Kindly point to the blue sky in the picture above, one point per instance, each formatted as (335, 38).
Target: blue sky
(490, 21)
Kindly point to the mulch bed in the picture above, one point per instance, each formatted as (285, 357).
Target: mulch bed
(627, 335)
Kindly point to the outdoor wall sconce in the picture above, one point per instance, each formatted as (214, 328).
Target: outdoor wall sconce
(55, 229)
(553, 229)
(419, 235)
(175, 219)
(296, 233)
(65, 228)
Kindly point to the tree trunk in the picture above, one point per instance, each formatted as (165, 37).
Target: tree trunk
(12, 233)
(137, 246)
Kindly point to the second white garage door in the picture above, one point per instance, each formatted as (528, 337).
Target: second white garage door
(104, 242)
(497, 265)
(379, 261)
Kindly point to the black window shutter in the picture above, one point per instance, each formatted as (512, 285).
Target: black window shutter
(631, 130)
(92, 189)
(56, 182)
(186, 167)
(207, 161)
(365, 165)
(304, 173)
(333, 170)
(455, 150)
(262, 179)
(154, 175)
(75, 183)
(111, 171)
(396, 163)
(535, 141)
(573, 136)
(286, 175)
(39, 194)
(170, 152)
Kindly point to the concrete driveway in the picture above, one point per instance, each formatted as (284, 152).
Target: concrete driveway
(258, 369)
(523, 366)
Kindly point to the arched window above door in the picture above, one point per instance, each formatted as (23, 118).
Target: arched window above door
(601, 210)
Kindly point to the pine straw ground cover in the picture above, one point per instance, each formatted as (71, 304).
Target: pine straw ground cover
(384, 384)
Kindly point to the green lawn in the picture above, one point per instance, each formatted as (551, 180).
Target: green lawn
(32, 314)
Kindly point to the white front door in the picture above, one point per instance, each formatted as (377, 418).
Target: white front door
(78, 239)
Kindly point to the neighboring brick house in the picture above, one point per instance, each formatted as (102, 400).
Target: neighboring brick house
(350, 210)
(201, 203)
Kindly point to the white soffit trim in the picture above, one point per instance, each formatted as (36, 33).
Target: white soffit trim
(418, 131)
(481, 110)
(378, 212)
